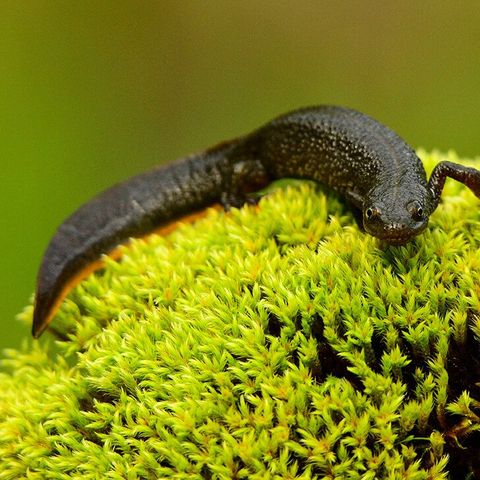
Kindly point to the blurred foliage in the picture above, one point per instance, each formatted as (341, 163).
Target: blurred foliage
(91, 92)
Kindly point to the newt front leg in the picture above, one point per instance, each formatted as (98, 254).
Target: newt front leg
(466, 175)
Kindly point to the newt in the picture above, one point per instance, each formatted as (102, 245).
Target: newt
(378, 174)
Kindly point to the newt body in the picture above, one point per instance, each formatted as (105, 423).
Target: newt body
(379, 175)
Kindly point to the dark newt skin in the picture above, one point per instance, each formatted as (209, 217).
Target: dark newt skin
(379, 175)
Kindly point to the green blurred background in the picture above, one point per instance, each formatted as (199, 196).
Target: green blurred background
(93, 92)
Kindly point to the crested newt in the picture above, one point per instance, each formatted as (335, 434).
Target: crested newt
(378, 174)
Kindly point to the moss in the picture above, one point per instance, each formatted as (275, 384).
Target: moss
(270, 342)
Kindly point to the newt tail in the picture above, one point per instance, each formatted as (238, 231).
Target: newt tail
(377, 173)
(133, 208)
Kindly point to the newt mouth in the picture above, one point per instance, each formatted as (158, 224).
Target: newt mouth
(396, 241)
(395, 233)
(401, 237)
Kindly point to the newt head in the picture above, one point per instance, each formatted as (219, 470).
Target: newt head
(398, 215)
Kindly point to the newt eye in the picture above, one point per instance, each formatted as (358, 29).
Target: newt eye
(371, 212)
(416, 210)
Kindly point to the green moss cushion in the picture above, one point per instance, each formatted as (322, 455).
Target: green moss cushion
(276, 342)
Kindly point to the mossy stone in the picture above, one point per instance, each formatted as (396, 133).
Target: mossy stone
(271, 342)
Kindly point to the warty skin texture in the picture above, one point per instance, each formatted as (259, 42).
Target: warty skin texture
(378, 174)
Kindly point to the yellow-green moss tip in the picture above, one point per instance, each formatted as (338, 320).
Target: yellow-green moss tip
(276, 342)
